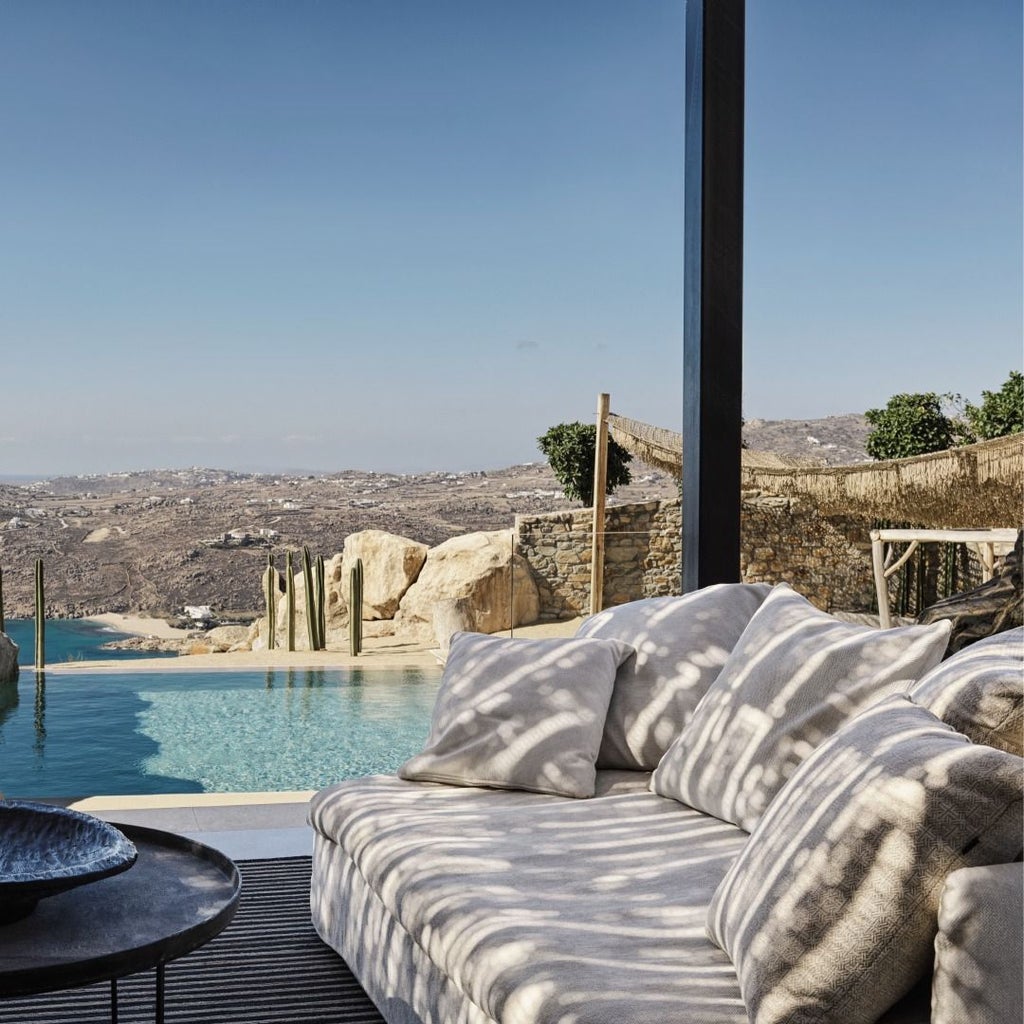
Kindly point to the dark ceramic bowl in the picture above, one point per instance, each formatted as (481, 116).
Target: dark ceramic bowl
(45, 850)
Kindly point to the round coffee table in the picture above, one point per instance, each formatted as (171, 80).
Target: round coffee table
(178, 895)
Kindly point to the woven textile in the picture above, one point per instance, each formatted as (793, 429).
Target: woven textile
(267, 965)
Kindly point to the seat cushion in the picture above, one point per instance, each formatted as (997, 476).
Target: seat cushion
(830, 911)
(544, 909)
(980, 691)
(796, 675)
(681, 645)
(520, 714)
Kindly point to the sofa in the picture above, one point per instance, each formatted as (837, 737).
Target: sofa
(722, 808)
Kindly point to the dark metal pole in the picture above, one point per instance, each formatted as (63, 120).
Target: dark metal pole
(713, 292)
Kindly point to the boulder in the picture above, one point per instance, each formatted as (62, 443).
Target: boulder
(497, 586)
(226, 638)
(391, 565)
(8, 659)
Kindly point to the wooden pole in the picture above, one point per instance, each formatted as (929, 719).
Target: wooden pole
(600, 486)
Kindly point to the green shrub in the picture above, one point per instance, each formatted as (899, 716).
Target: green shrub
(1001, 412)
(911, 425)
(569, 449)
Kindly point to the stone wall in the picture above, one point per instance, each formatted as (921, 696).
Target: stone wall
(643, 552)
(828, 559)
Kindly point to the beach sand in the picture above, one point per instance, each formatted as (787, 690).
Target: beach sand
(378, 652)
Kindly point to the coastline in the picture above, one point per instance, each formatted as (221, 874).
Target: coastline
(139, 625)
(378, 652)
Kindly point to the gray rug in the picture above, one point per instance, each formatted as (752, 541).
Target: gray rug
(267, 967)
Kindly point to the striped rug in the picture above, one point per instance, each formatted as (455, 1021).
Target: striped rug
(267, 967)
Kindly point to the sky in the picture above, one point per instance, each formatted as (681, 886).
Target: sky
(412, 235)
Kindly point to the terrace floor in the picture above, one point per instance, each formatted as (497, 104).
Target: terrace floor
(244, 826)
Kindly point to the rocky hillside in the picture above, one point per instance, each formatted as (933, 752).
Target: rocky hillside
(158, 540)
(835, 440)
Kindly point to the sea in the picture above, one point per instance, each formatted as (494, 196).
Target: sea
(71, 640)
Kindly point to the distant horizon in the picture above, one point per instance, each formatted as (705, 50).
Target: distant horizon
(536, 459)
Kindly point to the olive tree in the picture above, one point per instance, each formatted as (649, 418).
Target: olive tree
(569, 449)
(1001, 412)
(910, 425)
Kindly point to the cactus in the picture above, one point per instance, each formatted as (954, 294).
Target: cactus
(270, 593)
(355, 608)
(312, 630)
(321, 600)
(289, 593)
(359, 617)
(40, 619)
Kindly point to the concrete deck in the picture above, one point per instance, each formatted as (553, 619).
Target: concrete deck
(242, 825)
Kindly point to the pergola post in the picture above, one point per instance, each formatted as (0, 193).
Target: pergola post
(713, 292)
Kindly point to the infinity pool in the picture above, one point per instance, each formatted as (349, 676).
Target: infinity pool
(79, 734)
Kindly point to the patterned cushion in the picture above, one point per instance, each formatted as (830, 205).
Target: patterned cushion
(794, 678)
(830, 911)
(520, 714)
(980, 691)
(681, 645)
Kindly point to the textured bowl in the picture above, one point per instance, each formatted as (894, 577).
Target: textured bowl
(45, 850)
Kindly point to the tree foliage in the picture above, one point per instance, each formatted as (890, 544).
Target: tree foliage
(910, 425)
(1001, 412)
(570, 448)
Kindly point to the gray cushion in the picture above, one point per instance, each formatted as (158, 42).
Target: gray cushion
(980, 691)
(795, 676)
(520, 714)
(829, 912)
(979, 953)
(547, 911)
(681, 645)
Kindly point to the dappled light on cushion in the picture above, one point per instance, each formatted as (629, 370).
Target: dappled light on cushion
(795, 676)
(519, 899)
(829, 912)
(681, 645)
(520, 714)
(980, 691)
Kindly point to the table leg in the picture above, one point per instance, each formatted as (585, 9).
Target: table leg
(113, 1001)
(159, 994)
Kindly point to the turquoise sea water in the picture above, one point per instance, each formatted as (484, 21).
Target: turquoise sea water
(84, 734)
(69, 640)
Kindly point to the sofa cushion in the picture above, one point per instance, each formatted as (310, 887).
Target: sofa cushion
(794, 677)
(980, 691)
(681, 645)
(520, 714)
(543, 910)
(979, 952)
(829, 912)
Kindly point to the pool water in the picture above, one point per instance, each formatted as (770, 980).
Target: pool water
(88, 734)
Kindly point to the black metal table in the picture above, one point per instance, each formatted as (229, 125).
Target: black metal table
(177, 896)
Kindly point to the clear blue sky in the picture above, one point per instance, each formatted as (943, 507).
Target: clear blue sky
(414, 234)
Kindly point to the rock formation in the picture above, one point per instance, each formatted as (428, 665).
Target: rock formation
(391, 565)
(8, 659)
(480, 567)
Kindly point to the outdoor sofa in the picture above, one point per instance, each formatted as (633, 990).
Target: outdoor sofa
(713, 809)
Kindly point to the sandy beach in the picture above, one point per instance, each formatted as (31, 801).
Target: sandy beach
(378, 652)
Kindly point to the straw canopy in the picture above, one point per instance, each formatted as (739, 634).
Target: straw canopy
(978, 485)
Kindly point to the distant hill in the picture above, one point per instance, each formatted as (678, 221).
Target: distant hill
(154, 540)
(836, 440)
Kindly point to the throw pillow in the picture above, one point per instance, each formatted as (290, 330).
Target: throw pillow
(830, 911)
(980, 691)
(681, 645)
(520, 714)
(794, 677)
